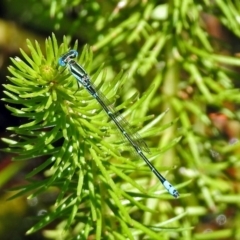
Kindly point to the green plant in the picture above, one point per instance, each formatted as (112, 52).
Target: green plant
(167, 46)
(97, 195)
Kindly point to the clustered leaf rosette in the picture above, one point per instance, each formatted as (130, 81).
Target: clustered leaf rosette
(67, 129)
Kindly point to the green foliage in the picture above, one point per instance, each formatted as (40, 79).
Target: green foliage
(166, 50)
(74, 135)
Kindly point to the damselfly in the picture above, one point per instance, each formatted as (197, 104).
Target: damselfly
(82, 78)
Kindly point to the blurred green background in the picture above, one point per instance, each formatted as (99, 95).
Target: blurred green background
(192, 48)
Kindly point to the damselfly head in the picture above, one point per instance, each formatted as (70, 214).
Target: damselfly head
(65, 58)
